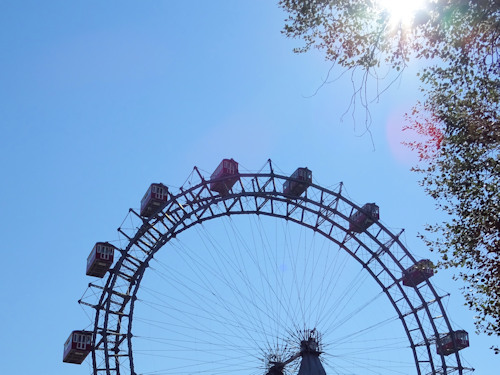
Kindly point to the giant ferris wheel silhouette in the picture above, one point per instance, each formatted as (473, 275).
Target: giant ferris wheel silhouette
(261, 273)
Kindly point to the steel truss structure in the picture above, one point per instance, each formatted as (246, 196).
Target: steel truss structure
(326, 212)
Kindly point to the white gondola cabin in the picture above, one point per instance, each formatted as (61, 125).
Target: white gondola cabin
(154, 200)
(452, 342)
(227, 168)
(77, 347)
(362, 219)
(100, 259)
(294, 188)
(418, 273)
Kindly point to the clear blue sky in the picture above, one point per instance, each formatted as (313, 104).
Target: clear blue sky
(99, 99)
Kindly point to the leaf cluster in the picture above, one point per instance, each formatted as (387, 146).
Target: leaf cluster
(350, 32)
(459, 117)
(464, 176)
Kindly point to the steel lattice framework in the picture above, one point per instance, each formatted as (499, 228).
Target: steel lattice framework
(326, 212)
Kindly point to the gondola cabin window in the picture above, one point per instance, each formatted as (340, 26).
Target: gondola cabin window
(362, 219)
(452, 342)
(100, 259)
(418, 273)
(227, 172)
(154, 200)
(294, 188)
(77, 347)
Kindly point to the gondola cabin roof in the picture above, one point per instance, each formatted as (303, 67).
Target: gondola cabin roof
(293, 188)
(77, 346)
(418, 273)
(100, 259)
(452, 342)
(226, 167)
(154, 200)
(362, 219)
(224, 171)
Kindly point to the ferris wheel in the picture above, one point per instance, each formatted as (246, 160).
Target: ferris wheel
(261, 273)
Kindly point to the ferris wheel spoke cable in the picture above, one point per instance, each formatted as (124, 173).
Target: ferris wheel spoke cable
(174, 304)
(206, 294)
(278, 277)
(264, 300)
(191, 368)
(333, 271)
(287, 293)
(337, 317)
(336, 309)
(283, 296)
(186, 327)
(218, 355)
(374, 365)
(256, 307)
(365, 304)
(357, 348)
(301, 288)
(228, 283)
(275, 298)
(353, 335)
(354, 366)
(350, 315)
(195, 304)
(269, 294)
(232, 329)
(324, 288)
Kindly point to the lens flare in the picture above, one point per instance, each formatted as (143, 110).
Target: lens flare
(400, 11)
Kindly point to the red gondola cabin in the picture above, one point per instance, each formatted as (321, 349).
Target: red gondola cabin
(227, 168)
(418, 273)
(296, 188)
(362, 219)
(154, 200)
(77, 347)
(452, 342)
(100, 259)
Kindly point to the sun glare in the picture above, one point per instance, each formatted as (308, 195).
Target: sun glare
(401, 11)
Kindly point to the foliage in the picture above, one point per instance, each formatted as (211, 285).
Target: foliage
(463, 174)
(459, 116)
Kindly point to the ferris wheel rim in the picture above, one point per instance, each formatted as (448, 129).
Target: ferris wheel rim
(203, 206)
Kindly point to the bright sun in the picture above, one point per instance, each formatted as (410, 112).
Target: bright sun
(401, 10)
